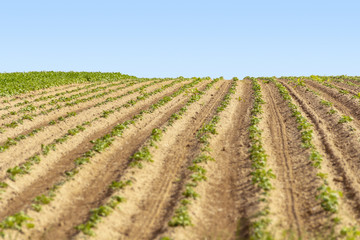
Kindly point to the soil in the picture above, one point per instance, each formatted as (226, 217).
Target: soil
(228, 200)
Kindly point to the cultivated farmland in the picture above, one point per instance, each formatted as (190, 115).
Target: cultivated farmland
(112, 156)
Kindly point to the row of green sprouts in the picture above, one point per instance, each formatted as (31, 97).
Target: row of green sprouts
(261, 174)
(328, 197)
(28, 106)
(326, 81)
(28, 110)
(13, 141)
(45, 149)
(24, 82)
(144, 153)
(181, 215)
(18, 220)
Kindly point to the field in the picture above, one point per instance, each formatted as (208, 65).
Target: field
(111, 156)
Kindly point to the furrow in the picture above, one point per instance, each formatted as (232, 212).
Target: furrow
(10, 101)
(276, 138)
(352, 88)
(31, 112)
(340, 146)
(19, 109)
(306, 181)
(227, 197)
(16, 154)
(52, 167)
(60, 115)
(14, 106)
(155, 190)
(157, 208)
(94, 178)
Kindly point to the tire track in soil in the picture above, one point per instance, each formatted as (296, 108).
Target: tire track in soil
(92, 190)
(158, 207)
(308, 216)
(66, 161)
(276, 145)
(339, 149)
(228, 194)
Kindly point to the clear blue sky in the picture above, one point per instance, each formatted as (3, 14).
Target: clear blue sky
(189, 38)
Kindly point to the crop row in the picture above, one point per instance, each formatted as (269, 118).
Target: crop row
(306, 131)
(30, 106)
(27, 110)
(35, 159)
(327, 82)
(13, 141)
(100, 145)
(261, 175)
(343, 79)
(21, 82)
(181, 216)
(328, 197)
(141, 156)
(346, 232)
(57, 93)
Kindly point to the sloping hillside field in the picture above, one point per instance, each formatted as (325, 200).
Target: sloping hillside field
(111, 156)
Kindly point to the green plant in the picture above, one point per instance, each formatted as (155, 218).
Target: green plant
(15, 222)
(102, 143)
(190, 192)
(27, 117)
(141, 155)
(81, 160)
(345, 119)
(197, 177)
(357, 95)
(258, 230)
(165, 238)
(12, 172)
(36, 207)
(106, 113)
(156, 135)
(72, 173)
(326, 103)
(202, 158)
(119, 185)
(45, 149)
(181, 218)
(97, 213)
(332, 111)
(62, 139)
(43, 199)
(20, 137)
(329, 198)
(350, 233)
